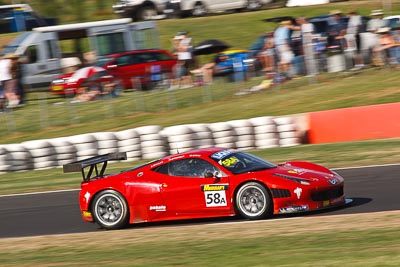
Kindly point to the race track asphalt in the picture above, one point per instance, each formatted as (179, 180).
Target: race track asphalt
(372, 189)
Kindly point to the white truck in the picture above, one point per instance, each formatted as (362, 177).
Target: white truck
(47, 51)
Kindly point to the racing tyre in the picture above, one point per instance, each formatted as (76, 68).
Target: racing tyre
(110, 210)
(254, 5)
(199, 10)
(146, 13)
(253, 201)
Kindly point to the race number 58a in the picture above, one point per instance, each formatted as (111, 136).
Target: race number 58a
(215, 198)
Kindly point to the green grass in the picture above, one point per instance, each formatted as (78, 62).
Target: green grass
(309, 242)
(45, 117)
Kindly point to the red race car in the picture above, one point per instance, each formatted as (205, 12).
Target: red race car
(145, 67)
(202, 183)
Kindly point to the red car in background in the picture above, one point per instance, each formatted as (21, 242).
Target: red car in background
(133, 69)
(202, 183)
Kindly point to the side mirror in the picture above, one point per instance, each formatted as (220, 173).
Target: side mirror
(210, 174)
(217, 175)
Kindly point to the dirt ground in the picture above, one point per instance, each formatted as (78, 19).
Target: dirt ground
(278, 227)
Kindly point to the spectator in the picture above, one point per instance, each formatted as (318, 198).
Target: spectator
(267, 54)
(373, 25)
(336, 30)
(386, 51)
(353, 40)
(209, 70)
(396, 37)
(4, 77)
(376, 22)
(185, 59)
(282, 46)
(12, 90)
(307, 36)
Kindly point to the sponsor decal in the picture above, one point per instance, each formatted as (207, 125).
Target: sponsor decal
(215, 194)
(214, 187)
(158, 208)
(228, 162)
(140, 174)
(293, 209)
(333, 181)
(177, 157)
(221, 154)
(156, 164)
(298, 192)
(297, 171)
(86, 213)
(87, 196)
(326, 203)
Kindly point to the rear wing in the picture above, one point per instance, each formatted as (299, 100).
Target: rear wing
(97, 165)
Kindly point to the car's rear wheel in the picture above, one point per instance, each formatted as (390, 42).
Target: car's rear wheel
(254, 5)
(199, 10)
(253, 201)
(110, 210)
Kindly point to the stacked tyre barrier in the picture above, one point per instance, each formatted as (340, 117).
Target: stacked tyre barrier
(179, 138)
(15, 157)
(287, 131)
(202, 135)
(223, 134)
(129, 142)
(65, 151)
(85, 144)
(244, 134)
(43, 154)
(265, 132)
(151, 142)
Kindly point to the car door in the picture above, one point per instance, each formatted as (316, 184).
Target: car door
(126, 67)
(189, 190)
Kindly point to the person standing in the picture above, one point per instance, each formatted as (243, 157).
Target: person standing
(353, 39)
(11, 84)
(282, 38)
(4, 77)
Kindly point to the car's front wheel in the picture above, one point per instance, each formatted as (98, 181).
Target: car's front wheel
(253, 201)
(146, 13)
(110, 210)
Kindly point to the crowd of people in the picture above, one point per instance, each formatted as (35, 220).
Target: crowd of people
(295, 49)
(11, 89)
(292, 49)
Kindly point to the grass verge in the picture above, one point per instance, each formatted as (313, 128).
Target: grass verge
(345, 240)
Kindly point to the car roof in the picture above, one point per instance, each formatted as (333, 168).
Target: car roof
(139, 52)
(203, 152)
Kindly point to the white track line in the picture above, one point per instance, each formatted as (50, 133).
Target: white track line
(71, 190)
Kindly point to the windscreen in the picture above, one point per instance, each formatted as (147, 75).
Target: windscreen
(110, 43)
(240, 162)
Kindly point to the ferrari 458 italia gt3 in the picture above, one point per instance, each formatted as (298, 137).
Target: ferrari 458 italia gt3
(202, 183)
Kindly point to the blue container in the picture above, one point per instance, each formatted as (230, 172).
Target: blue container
(18, 21)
